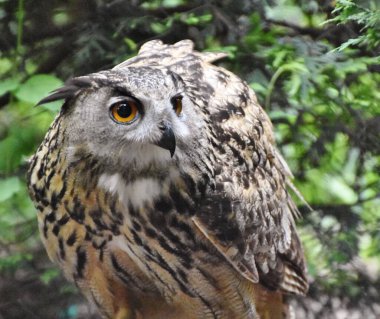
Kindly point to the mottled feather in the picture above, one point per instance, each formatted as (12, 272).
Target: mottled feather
(207, 233)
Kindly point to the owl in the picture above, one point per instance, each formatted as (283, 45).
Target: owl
(161, 194)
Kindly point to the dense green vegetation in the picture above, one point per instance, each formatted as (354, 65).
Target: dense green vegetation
(315, 68)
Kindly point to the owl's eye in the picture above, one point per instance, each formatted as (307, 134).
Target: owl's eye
(125, 111)
(177, 104)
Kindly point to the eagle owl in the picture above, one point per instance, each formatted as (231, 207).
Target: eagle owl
(161, 194)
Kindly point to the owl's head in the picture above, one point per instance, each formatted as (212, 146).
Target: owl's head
(135, 116)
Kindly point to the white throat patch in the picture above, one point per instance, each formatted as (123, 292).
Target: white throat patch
(135, 193)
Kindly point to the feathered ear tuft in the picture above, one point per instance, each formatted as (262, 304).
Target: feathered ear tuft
(71, 88)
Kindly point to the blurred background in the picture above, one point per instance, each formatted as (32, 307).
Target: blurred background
(314, 66)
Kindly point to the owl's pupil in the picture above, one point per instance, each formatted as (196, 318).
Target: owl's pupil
(124, 110)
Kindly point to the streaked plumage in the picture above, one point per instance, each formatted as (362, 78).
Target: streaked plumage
(207, 233)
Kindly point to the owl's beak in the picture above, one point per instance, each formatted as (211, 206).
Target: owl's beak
(167, 140)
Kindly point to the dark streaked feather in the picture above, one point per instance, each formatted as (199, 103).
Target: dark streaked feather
(249, 218)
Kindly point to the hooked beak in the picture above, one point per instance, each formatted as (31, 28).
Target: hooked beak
(167, 140)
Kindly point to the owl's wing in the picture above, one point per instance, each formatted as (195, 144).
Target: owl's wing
(250, 216)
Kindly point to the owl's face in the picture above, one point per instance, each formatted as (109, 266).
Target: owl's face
(134, 117)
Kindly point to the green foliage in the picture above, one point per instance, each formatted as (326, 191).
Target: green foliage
(13, 261)
(313, 66)
(366, 14)
(48, 275)
(9, 186)
(331, 99)
(21, 128)
(36, 86)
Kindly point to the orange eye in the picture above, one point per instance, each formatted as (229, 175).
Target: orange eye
(177, 104)
(124, 111)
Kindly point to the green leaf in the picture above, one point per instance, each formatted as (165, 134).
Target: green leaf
(229, 49)
(172, 3)
(8, 85)
(340, 190)
(289, 13)
(5, 65)
(9, 187)
(158, 27)
(12, 262)
(48, 275)
(192, 19)
(132, 45)
(19, 141)
(290, 115)
(37, 87)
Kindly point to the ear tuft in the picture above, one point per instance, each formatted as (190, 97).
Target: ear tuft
(69, 90)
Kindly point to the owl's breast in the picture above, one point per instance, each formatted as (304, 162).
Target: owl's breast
(159, 235)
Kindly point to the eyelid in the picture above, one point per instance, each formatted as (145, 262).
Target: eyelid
(116, 99)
